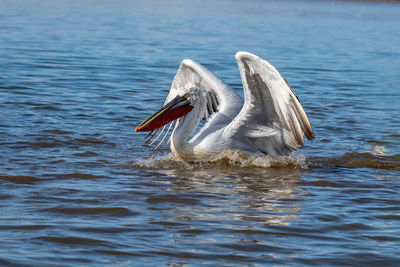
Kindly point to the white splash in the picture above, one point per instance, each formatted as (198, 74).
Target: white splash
(226, 158)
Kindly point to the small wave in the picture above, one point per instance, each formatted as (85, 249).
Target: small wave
(78, 175)
(361, 160)
(20, 179)
(224, 159)
(111, 211)
(73, 240)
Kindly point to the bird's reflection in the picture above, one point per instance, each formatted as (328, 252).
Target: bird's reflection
(265, 195)
(233, 188)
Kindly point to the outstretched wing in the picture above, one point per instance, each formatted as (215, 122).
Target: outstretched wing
(221, 100)
(220, 97)
(272, 117)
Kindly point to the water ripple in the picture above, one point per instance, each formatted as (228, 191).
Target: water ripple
(108, 211)
(79, 188)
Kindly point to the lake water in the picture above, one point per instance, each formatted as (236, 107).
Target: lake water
(79, 188)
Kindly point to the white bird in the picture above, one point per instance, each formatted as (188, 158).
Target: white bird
(269, 121)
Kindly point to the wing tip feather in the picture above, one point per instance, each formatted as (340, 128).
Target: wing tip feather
(302, 117)
(243, 55)
(296, 128)
(188, 62)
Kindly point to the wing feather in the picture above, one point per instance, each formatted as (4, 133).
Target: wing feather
(193, 75)
(220, 98)
(269, 103)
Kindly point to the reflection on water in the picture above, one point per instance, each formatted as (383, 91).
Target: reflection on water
(255, 200)
(265, 195)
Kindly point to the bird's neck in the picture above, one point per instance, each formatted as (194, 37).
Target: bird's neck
(180, 146)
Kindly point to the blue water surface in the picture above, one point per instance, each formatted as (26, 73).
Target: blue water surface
(79, 188)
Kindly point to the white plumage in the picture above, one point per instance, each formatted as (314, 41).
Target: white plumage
(270, 120)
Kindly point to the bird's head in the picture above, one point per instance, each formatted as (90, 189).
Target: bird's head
(176, 106)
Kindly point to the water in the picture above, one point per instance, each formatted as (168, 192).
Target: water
(79, 188)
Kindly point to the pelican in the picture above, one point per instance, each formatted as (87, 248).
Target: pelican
(270, 120)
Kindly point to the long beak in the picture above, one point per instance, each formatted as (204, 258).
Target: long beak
(173, 110)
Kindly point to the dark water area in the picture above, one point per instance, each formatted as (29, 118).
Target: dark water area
(79, 188)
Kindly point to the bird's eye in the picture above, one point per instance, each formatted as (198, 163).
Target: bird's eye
(186, 95)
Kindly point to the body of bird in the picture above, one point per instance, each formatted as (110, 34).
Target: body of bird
(270, 120)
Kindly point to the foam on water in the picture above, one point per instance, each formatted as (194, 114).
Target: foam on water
(236, 159)
(225, 159)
